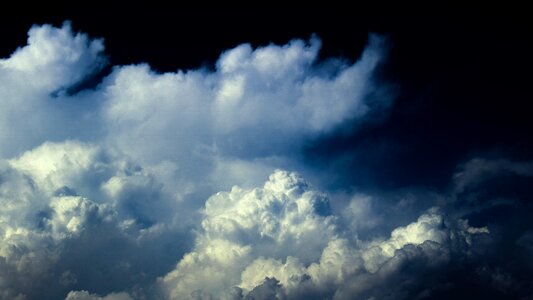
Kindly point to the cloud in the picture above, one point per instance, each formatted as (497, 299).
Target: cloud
(478, 170)
(483, 186)
(257, 105)
(71, 211)
(283, 238)
(57, 57)
(103, 190)
(281, 218)
(34, 79)
(193, 120)
(108, 180)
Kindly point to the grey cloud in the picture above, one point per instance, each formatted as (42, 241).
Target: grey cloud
(478, 170)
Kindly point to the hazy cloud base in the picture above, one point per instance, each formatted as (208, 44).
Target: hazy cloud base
(152, 186)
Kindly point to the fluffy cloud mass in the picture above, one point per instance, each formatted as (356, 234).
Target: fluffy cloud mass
(284, 233)
(152, 186)
(67, 203)
(109, 180)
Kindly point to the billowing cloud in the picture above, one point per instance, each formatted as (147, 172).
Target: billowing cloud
(258, 107)
(71, 202)
(259, 104)
(102, 180)
(34, 81)
(285, 232)
(152, 186)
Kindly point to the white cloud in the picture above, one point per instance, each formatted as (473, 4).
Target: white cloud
(73, 213)
(57, 210)
(429, 227)
(284, 211)
(34, 107)
(285, 231)
(109, 180)
(69, 170)
(258, 105)
(275, 89)
(53, 58)
(56, 165)
(274, 221)
(36, 223)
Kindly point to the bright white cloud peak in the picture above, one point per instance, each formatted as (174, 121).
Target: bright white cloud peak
(99, 190)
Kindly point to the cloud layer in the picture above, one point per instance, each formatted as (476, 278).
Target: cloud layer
(152, 186)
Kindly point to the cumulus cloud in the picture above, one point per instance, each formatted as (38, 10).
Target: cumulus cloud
(258, 105)
(108, 180)
(103, 191)
(58, 210)
(57, 57)
(193, 121)
(34, 79)
(283, 238)
(282, 218)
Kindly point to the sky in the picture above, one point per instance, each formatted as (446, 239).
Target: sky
(156, 151)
